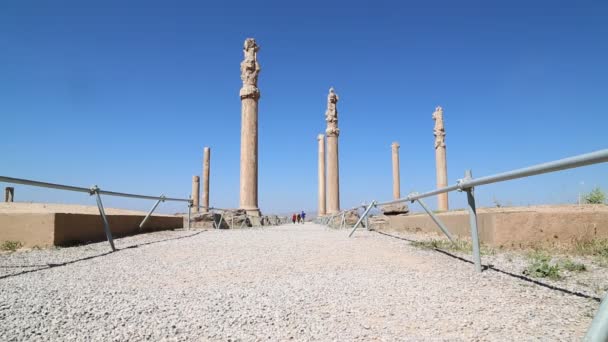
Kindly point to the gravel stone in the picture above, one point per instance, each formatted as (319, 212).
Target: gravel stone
(291, 282)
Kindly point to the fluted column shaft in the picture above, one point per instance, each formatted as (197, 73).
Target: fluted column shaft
(196, 190)
(321, 209)
(206, 171)
(396, 176)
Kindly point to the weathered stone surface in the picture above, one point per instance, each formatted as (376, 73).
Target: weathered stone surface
(396, 176)
(250, 95)
(321, 210)
(232, 219)
(206, 172)
(395, 209)
(440, 158)
(270, 220)
(350, 217)
(333, 174)
(331, 114)
(205, 220)
(379, 222)
(196, 190)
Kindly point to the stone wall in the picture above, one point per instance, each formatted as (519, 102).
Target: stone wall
(36, 224)
(514, 226)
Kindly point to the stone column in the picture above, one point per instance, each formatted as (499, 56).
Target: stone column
(206, 166)
(196, 190)
(440, 158)
(396, 179)
(250, 94)
(321, 209)
(333, 174)
(9, 194)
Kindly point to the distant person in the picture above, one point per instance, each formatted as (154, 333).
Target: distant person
(293, 219)
(303, 216)
(299, 218)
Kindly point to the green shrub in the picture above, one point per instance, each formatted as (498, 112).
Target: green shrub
(573, 266)
(540, 266)
(596, 196)
(10, 246)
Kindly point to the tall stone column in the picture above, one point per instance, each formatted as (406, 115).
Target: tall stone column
(440, 158)
(196, 190)
(396, 176)
(321, 210)
(9, 194)
(333, 174)
(250, 94)
(206, 167)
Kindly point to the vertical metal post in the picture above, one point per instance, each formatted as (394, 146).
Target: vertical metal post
(189, 213)
(9, 194)
(141, 225)
(232, 221)
(343, 222)
(367, 222)
(598, 331)
(362, 217)
(438, 222)
(219, 224)
(473, 222)
(102, 212)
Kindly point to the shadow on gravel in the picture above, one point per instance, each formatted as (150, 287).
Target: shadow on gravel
(52, 265)
(491, 267)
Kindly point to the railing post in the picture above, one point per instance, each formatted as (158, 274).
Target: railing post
(362, 217)
(106, 225)
(437, 221)
(473, 222)
(217, 226)
(189, 213)
(141, 225)
(343, 222)
(598, 331)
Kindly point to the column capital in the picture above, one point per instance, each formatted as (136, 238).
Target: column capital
(395, 145)
(331, 114)
(250, 69)
(439, 130)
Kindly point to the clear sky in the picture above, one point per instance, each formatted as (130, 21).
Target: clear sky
(125, 94)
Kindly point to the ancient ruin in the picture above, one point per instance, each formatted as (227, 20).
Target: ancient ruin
(250, 95)
(196, 190)
(206, 167)
(332, 132)
(440, 158)
(321, 210)
(396, 176)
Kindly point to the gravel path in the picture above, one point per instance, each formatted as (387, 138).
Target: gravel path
(301, 282)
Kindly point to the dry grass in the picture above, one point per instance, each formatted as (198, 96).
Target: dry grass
(458, 246)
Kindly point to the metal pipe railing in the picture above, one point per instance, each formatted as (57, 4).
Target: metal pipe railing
(95, 190)
(598, 330)
(596, 157)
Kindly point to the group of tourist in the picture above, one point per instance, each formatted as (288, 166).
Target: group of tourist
(299, 218)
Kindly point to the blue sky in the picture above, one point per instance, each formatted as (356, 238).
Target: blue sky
(126, 94)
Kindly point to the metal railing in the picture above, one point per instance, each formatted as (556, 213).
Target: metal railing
(329, 220)
(254, 221)
(599, 327)
(97, 192)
